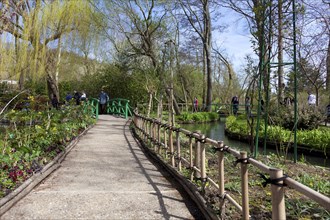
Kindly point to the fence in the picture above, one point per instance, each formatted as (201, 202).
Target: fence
(92, 107)
(161, 137)
(119, 106)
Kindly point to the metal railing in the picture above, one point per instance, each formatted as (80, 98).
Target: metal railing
(92, 107)
(160, 136)
(119, 106)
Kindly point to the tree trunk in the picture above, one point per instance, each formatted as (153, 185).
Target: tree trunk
(149, 105)
(175, 104)
(204, 79)
(52, 86)
(57, 67)
(280, 53)
(207, 48)
(328, 71)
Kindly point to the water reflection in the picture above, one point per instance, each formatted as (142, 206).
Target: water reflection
(216, 131)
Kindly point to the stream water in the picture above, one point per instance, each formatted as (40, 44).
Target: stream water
(216, 131)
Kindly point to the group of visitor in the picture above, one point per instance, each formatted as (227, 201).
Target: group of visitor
(77, 96)
(81, 97)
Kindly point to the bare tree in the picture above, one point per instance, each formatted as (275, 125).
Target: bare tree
(139, 32)
(199, 17)
(314, 41)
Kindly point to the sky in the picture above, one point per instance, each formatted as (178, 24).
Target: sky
(236, 40)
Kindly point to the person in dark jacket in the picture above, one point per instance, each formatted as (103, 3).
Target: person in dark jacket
(235, 103)
(103, 98)
(76, 96)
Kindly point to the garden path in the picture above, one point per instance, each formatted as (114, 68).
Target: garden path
(105, 176)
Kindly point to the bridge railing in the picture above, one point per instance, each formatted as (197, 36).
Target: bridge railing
(91, 106)
(160, 137)
(119, 106)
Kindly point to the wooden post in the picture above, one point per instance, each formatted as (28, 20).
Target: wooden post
(221, 183)
(170, 139)
(154, 139)
(165, 142)
(191, 158)
(178, 148)
(202, 162)
(158, 137)
(197, 157)
(278, 203)
(145, 130)
(150, 131)
(244, 185)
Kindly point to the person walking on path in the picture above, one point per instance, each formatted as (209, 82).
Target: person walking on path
(235, 103)
(195, 105)
(104, 98)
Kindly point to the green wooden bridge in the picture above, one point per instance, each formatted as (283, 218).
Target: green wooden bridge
(116, 106)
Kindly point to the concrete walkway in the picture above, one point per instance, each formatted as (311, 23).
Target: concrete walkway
(106, 176)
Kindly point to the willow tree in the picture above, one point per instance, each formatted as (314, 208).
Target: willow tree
(42, 28)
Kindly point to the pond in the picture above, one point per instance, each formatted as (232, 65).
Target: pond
(216, 131)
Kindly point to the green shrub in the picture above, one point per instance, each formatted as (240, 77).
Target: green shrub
(309, 118)
(35, 140)
(315, 139)
(198, 117)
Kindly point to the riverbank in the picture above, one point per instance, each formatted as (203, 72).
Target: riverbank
(305, 150)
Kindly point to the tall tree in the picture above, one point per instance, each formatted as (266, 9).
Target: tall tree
(315, 32)
(138, 32)
(199, 17)
(255, 12)
(41, 24)
(314, 40)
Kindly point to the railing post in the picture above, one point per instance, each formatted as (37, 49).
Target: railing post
(154, 139)
(97, 110)
(244, 185)
(197, 157)
(178, 148)
(158, 137)
(191, 158)
(202, 162)
(221, 183)
(278, 203)
(170, 139)
(145, 129)
(126, 110)
(165, 142)
(150, 131)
